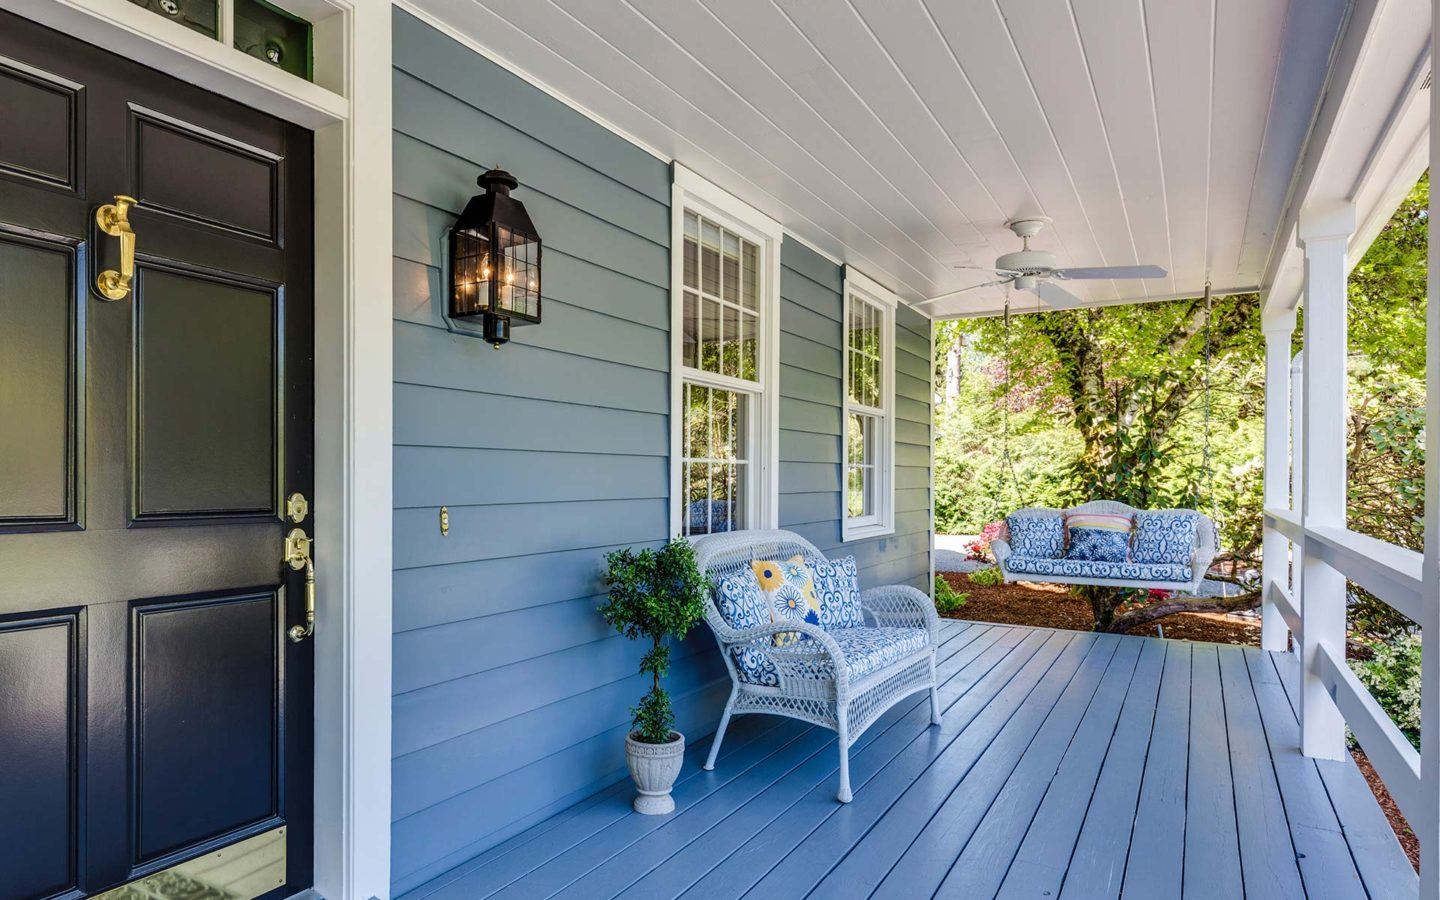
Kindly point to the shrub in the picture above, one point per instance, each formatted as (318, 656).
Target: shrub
(1392, 675)
(989, 577)
(654, 594)
(947, 599)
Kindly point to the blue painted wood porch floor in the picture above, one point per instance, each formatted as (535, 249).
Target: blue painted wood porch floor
(1069, 765)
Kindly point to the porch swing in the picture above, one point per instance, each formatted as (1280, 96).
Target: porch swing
(1105, 542)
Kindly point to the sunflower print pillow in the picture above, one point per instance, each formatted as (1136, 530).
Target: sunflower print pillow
(788, 587)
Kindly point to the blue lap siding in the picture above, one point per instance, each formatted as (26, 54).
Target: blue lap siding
(511, 695)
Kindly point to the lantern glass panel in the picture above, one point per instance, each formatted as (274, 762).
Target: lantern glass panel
(472, 267)
(519, 287)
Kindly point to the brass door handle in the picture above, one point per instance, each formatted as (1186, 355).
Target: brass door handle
(114, 220)
(297, 557)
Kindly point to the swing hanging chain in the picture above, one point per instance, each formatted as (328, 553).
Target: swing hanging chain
(1205, 475)
(1007, 460)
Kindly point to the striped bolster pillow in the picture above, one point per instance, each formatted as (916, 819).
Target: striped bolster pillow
(1100, 521)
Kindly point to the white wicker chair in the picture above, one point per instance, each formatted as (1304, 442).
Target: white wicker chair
(814, 683)
(1200, 559)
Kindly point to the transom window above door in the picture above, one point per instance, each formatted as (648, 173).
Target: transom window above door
(724, 346)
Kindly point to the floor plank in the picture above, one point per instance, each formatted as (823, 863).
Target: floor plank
(1156, 857)
(1267, 856)
(1068, 764)
(1212, 843)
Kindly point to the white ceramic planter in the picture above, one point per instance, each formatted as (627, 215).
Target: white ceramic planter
(655, 768)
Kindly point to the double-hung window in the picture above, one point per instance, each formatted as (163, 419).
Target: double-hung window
(724, 359)
(869, 485)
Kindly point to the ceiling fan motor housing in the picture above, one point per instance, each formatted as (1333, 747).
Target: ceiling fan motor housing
(1027, 262)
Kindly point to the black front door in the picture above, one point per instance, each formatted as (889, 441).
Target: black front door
(152, 708)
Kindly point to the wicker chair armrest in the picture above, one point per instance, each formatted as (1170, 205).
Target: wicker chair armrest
(792, 661)
(1000, 549)
(901, 606)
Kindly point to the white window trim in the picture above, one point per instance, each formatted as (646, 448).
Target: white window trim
(691, 191)
(858, 284)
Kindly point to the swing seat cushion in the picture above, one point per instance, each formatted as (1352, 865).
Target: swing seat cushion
(1037, 536)
(1085, 568)
(1164, 537)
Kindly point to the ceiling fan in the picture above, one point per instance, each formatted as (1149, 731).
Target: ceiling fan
(1035, 270)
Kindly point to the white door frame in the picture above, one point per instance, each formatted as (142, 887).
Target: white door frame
(349, 109)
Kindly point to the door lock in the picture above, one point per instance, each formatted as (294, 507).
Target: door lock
(297, 557)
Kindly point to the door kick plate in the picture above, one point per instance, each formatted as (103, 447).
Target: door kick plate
(241, 871)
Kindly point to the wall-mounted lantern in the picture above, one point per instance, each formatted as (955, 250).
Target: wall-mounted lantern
(495, 261)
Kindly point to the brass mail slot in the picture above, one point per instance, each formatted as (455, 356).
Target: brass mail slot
(241, 871)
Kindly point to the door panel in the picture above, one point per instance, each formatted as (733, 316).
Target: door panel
(199, 175)
(48, 148)
(152, 710)
(207, 371)
(207, 722)
(39, 704)
(40, 359)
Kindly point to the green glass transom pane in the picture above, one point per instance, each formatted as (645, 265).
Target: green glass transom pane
(269, 33)
(721, 298)
(196, 15)
(715, 461)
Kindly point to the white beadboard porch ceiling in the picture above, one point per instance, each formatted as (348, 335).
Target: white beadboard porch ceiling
(900, 135)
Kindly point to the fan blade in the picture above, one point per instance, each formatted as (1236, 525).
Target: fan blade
(1117, 273)
(973, 287)
(991, 269)
(1056, 296)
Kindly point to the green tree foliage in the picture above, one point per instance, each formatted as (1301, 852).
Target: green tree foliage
(655, 594)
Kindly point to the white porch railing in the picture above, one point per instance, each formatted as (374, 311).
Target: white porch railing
(1310, 554)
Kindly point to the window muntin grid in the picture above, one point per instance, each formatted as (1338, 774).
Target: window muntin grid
(715, 459)
(721, 315)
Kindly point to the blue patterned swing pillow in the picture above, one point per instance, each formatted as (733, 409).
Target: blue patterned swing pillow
(1164, 537)
(1098, 537)
(1037, 537)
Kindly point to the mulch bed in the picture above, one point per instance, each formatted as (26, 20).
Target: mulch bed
(1051, 606)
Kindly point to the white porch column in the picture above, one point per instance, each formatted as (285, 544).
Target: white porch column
(1428, 828)
(1324, 232)
(1276, 550)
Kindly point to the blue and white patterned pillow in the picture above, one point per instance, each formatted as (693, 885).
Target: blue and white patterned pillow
(1098, 537)
(742, 606)
(1037, 537)
(1164, 537)
(837, 584)
(1097, 545)
(740, 602)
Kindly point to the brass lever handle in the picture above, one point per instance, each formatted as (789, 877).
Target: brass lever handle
(114, 220)
(297, 557)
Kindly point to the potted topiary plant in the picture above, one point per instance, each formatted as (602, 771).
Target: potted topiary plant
(654, 594)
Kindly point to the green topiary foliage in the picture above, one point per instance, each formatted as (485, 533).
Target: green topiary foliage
(654, 594)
